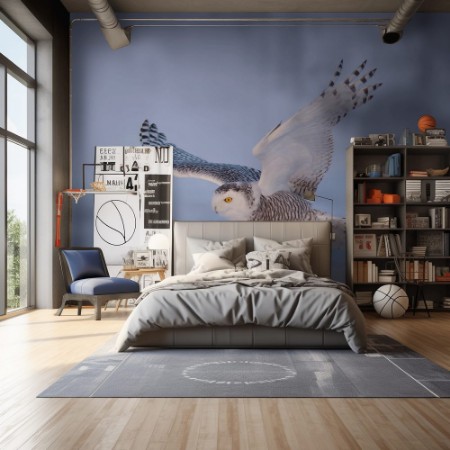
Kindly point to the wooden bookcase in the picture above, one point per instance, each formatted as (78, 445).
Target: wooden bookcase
(408, 218)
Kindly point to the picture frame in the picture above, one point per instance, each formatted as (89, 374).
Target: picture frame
(363, 220)
(364, 245)
(142, 259)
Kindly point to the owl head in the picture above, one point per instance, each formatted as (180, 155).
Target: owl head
(237, 201)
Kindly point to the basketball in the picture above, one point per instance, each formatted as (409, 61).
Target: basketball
(115, 222)
(390, 301)
(426, 121)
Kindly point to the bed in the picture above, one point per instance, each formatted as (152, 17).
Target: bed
(261, 300)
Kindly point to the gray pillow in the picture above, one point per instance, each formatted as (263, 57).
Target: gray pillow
(300, 249)
(237, 246)
(271, 259)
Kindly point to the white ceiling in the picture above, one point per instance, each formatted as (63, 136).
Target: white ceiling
(257, 6)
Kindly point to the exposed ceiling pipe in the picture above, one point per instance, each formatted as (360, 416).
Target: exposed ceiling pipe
(114, 34)
(394, 29)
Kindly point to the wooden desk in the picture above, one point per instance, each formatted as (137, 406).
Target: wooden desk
(140, 272)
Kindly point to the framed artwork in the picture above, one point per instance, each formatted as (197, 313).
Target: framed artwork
(142, 259)
(363, 220)
(364, 245)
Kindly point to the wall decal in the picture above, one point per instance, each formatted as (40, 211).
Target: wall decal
(294, 157)
(115, 222)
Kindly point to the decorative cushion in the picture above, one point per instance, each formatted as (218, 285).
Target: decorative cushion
(272, 259)
(84, 264)
(213, 260)
(104, 285)
(300, 258)
(237, 246)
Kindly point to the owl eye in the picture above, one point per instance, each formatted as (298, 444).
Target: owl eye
(228, 199)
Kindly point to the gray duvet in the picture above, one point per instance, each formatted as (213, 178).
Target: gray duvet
(272, 298)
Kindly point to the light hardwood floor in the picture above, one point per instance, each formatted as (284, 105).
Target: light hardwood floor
(37, 348)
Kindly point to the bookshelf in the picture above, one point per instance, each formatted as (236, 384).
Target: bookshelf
(398, 226)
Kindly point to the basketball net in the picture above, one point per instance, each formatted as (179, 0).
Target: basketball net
(76, 194)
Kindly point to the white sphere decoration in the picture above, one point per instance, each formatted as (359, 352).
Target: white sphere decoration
(390, 301)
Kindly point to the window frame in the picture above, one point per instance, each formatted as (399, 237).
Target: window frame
(8, 67)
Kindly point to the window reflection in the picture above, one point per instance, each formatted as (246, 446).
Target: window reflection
(16, 111)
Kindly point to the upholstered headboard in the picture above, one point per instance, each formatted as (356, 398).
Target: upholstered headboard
(279, 231)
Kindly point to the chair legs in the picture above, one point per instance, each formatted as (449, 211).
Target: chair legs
(118, 303)
(97, 301)
(98, 309)
(63, 305)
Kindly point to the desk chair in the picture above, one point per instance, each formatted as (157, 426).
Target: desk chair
(86, 278)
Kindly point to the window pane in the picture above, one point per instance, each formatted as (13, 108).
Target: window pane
(16, 107)
(17, 226)
(13, 46)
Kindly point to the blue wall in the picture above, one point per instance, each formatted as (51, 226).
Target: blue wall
(216, 91)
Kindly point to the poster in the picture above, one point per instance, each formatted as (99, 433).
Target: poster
(136, 202)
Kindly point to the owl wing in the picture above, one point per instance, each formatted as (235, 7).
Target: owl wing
(187, 165)
(297, 153)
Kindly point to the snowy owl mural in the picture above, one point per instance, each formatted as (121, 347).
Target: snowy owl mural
(294, 157)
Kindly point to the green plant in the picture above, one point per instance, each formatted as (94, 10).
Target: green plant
(16, 260)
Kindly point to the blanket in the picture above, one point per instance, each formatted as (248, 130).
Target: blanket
(249, 277)
(273, 298)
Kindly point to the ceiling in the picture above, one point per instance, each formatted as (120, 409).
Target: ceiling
(256, 6)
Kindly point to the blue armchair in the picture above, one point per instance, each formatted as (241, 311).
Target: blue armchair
(87, 279)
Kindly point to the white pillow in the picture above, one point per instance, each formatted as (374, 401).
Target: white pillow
(213, 260)
(272, 259)
(237, 246)
(300, 258)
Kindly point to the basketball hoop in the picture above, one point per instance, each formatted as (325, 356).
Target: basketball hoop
(76, 194)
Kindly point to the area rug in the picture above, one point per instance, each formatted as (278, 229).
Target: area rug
(389, 369)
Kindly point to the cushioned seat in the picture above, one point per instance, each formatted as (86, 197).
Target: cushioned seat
(102, 285)
(87, 279)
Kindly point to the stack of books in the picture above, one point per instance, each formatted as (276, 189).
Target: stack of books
(363, 297)
(365, 272)
(417, 173)
(419, 250)
(386, 276)
(435, 137)
(445, 303)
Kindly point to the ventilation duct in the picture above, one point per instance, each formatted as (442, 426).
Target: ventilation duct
(394, 29)
(114, 34)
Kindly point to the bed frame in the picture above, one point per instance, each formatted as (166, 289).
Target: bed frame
(248, 336)
(278, 231)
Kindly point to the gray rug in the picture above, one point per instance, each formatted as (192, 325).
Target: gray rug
(389, 369)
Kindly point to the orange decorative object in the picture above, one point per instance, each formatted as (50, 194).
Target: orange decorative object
(391, 198)
(375, 193)
(426, 121)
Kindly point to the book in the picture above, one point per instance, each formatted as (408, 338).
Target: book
(418, 173)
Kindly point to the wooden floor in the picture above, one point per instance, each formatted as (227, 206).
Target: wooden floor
(37, 348)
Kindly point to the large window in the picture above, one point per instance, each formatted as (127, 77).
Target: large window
(17, 148)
